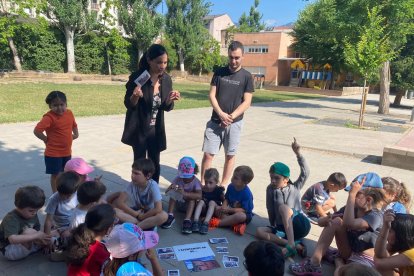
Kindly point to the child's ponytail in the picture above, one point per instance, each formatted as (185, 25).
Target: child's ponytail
(404, 196)
(78, 248)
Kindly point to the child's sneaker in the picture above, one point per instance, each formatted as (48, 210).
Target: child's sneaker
(195, 227)
(239, 228)
(169, 222)
(187, 226)
(204, 228)
(306, 268)
(214, 222)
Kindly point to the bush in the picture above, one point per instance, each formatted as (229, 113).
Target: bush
(90, 53)
(40, 47)
(118, 48)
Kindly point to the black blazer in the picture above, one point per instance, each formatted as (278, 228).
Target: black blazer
(138, 117)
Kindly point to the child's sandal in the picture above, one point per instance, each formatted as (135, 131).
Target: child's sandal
(290, 251)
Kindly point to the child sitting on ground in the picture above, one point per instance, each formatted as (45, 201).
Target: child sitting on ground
(355, 233)
(318, 198)
(264, 258)
(288, 225)
(89, 194)
(126, 242)
(398, 195)
(237, 208)
(85, 253)
(396, 236)
(79, 166)
(213, 196)
(57, 130)
(20, 233)
(184, 190)
(143, 195)
(61, 204)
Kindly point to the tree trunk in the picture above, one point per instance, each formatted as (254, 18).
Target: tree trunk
(140, 54)
(108, 58)
(398, 97)
(384, 101)
(363, 104)
(70, 49)
(181, 60)
(16, 59)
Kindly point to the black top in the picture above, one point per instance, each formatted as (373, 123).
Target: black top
(230, 89)
(216, 195)
(138, 117)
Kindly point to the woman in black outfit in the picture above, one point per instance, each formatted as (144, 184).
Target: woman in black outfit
(144, 127)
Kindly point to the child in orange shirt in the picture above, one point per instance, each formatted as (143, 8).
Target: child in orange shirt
(57, 130)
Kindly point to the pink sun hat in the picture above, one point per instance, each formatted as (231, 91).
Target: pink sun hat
(127, 239)
(78, 165)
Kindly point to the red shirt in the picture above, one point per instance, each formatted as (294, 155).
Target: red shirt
(93, 263)
(58, 130)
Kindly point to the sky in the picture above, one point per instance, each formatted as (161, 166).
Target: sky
(275, 12)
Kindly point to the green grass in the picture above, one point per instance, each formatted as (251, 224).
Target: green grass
(20, 102)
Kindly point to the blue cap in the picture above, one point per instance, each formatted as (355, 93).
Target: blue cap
(372, 180)
(186, 167)
(132, 269)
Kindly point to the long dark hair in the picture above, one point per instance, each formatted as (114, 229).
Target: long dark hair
(98, 220)
(154, 51)
(403, 226)
(114, 264)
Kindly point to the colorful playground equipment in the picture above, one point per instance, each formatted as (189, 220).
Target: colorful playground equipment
(318, 79)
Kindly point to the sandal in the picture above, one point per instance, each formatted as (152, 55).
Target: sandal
(330, 255)
(303, 250)
(305, 268)
(290, 252)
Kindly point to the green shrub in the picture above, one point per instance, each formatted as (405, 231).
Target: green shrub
(90, 53)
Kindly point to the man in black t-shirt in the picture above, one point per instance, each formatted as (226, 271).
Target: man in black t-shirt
(230, 96)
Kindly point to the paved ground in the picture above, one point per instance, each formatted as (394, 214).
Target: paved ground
(268, 132)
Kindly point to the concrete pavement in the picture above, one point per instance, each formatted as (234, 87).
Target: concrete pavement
(267, 134)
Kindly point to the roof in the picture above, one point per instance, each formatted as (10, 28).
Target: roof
(212, 16)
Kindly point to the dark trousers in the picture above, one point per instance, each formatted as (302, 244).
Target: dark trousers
(150, 150)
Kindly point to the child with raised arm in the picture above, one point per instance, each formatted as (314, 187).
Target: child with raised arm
(213, 196)
(396, 236)
(288, 225)
(57, 130)
(20, 233)
(184, 191)
(318, 199)
(142, 198)
(237, 208)
(355, 232)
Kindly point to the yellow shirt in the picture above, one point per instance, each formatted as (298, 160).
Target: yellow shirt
(409, 270)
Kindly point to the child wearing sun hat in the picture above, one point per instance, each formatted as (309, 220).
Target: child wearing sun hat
(126, 243)
(184, 190)
(79, 166)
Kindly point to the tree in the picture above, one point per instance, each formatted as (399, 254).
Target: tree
(371, 51)
(251, 23)
(185, 26)
(71, 17)
(317, 34)
(13, 14)
(141, 22)
(207, 57)
(403, 70)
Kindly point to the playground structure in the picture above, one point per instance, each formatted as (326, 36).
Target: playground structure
(302, 77)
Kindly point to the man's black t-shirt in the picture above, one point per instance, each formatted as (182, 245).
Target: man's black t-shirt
(230, 88)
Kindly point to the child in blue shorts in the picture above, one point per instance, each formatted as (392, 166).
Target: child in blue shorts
(57, 130)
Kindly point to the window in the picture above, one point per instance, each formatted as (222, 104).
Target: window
(259, 49)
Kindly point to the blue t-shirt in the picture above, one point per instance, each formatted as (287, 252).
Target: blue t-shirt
(240, 199)
(397, 207)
